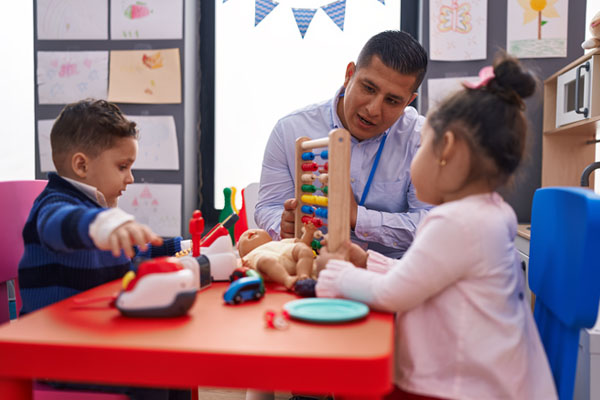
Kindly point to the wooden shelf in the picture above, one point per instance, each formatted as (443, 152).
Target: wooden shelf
(586, 128)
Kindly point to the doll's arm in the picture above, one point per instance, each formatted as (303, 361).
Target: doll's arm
(308, 234)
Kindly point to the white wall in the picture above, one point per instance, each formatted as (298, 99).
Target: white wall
(16, 87)
(16, 90)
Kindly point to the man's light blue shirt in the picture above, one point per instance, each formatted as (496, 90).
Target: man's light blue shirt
(388, 220)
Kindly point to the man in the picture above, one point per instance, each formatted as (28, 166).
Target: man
(373, 106)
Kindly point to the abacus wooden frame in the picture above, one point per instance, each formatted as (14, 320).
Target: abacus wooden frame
(338, 208)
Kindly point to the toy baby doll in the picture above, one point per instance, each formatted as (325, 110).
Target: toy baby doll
(288, 261)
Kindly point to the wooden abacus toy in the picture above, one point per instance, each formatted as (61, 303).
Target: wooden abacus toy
(333, 201)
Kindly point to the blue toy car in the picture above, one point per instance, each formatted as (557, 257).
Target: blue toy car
(244, 289)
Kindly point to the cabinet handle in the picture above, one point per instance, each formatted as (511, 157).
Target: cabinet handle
(584, 111)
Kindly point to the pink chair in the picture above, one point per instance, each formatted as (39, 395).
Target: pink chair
(16, 199)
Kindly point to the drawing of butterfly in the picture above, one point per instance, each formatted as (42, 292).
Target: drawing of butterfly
(455, 18)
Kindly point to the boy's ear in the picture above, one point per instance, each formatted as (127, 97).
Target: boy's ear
(80, 164)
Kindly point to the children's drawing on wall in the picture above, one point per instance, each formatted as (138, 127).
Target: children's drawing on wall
(147, 19)
(145, 76)
(68, 76)
(537, 28)
(44, 128)
(157, 143)
(72, 19)
(458, 30)
(157, 205)
(439, 88)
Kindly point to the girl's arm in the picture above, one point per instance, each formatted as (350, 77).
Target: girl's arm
(440, 255)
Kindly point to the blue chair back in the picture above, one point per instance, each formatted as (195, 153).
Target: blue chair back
(564, 274)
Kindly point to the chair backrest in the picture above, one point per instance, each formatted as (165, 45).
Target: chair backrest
(16, 199)
(564, 274)
(250, 198)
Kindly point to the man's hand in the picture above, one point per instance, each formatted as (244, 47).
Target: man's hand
(353, 209)
(324, 256)
(286, 229)
(129, 234)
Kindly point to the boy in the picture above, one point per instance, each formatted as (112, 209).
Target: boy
(75, 237)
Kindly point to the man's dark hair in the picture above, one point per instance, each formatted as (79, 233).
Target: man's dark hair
(90, 126)
(397, 50)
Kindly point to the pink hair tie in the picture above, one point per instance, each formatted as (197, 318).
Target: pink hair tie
(486, 74)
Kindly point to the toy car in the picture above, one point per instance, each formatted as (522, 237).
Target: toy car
(244, 289)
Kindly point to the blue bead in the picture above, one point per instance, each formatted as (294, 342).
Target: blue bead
(308, 210)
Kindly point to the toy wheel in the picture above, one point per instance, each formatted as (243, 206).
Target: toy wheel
(258, 295)
(237, 299)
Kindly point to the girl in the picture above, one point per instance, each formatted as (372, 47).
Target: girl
(465, 330)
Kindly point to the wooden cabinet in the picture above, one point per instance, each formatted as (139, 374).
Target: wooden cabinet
(568, 149)
(522, 245)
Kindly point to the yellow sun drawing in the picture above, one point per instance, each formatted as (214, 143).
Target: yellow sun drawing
(538, 8)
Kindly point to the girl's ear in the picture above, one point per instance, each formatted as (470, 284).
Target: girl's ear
(448, 146)
(79, 164)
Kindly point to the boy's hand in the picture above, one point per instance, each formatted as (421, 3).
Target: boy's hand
(129, 234)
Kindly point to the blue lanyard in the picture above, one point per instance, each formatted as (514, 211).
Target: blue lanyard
(373, 168)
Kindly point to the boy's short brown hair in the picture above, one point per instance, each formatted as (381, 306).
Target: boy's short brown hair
(90, 126)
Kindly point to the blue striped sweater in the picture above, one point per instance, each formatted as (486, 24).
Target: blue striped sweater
(60, 258)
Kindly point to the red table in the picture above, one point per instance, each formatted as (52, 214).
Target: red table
(216, 345)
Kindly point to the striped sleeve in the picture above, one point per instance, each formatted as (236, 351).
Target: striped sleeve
(63, 226)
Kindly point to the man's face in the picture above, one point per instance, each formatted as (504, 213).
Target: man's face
(375, 97)
(110, 172)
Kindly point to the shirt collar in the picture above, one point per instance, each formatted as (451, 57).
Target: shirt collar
(88, 190)
(337, 123)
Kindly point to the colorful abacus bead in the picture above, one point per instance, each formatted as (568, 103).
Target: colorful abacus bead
(310, 166)
(308, 156)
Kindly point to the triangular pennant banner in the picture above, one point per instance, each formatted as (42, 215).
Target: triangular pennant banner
(382, 2)
(303, 18)
(262, 8)
(336, 12)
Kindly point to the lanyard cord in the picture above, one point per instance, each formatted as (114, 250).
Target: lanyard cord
(373, 168)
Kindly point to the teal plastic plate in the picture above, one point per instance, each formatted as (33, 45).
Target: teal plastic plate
(324, 310)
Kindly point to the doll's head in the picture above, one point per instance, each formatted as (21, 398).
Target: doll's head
(251, 239)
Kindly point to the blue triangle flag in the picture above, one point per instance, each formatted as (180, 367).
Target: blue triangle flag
(303, 18)
(382, 2)
(336, 12)
(262, 8)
